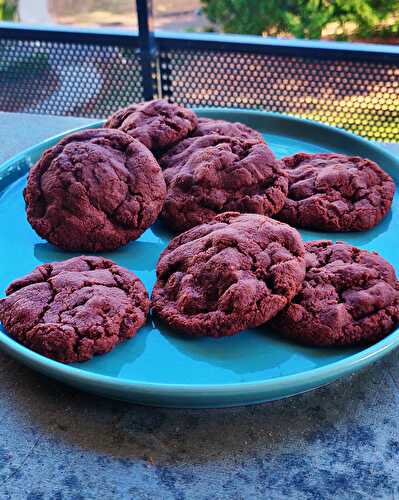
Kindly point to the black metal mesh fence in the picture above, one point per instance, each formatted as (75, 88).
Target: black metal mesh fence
(67, 78)
(360, 96)
(93, 79)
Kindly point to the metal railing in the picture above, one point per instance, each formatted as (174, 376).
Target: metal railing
(91, 72)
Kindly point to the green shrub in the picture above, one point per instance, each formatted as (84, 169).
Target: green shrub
(8, 10)
(341, 19)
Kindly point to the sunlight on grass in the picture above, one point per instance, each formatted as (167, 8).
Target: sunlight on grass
(375, 115)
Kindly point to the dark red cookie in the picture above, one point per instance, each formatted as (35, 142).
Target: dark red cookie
(208, 126)
(157, 124)
(214, 174)
(349, 296)
(95, 190)
(233, 273)
(335, 192)
(72, 310)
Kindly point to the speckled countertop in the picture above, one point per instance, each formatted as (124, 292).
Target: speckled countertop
(341, 441)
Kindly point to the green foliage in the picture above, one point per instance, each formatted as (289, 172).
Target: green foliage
(8, 10)
(343, 19)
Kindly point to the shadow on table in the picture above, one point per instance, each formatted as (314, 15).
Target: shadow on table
(122, 431)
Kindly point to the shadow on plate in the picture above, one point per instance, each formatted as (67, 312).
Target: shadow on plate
(162, 232)
(112, 362)
(122, 356)
(137, 255)
(241, 353)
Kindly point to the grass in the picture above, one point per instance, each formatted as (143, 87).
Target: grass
(375, 116)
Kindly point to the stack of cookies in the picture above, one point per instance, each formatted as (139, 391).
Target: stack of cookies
(237, 260)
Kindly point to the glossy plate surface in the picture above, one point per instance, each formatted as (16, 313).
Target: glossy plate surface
(157, 366)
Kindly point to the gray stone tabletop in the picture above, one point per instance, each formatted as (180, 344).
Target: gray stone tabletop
(341, 441)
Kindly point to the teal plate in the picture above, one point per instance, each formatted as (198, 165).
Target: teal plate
(158, 367)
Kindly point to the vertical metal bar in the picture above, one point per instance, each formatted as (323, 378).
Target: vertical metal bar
(147, 45)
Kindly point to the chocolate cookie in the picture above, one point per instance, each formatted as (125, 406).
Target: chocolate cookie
(335, 192)
(349, 296)
(208, 126)
(233, 273)
(95, 190)
(157, 124)
(214, 174)
(72, 310)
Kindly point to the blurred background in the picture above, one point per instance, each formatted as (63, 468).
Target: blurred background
(65, 76)
(374, 21)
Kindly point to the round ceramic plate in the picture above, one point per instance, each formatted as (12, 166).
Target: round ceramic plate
(159, 367)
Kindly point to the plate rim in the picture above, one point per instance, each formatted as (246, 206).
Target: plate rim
(331, 371)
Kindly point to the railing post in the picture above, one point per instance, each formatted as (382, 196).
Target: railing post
(147, 45)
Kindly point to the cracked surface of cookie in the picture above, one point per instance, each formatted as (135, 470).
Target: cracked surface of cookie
(74, 309)
(157, 124)
(214, 174)
(95, 190)
(335, 192)
(349, 296)
(208, 126)
(235, 272)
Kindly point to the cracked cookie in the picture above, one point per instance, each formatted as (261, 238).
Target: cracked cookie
(72, 310)
(208, 126)
(335, 192)
(214, 174)
(93, 191)
(349, 296)
(157, 124)
(233, 273)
